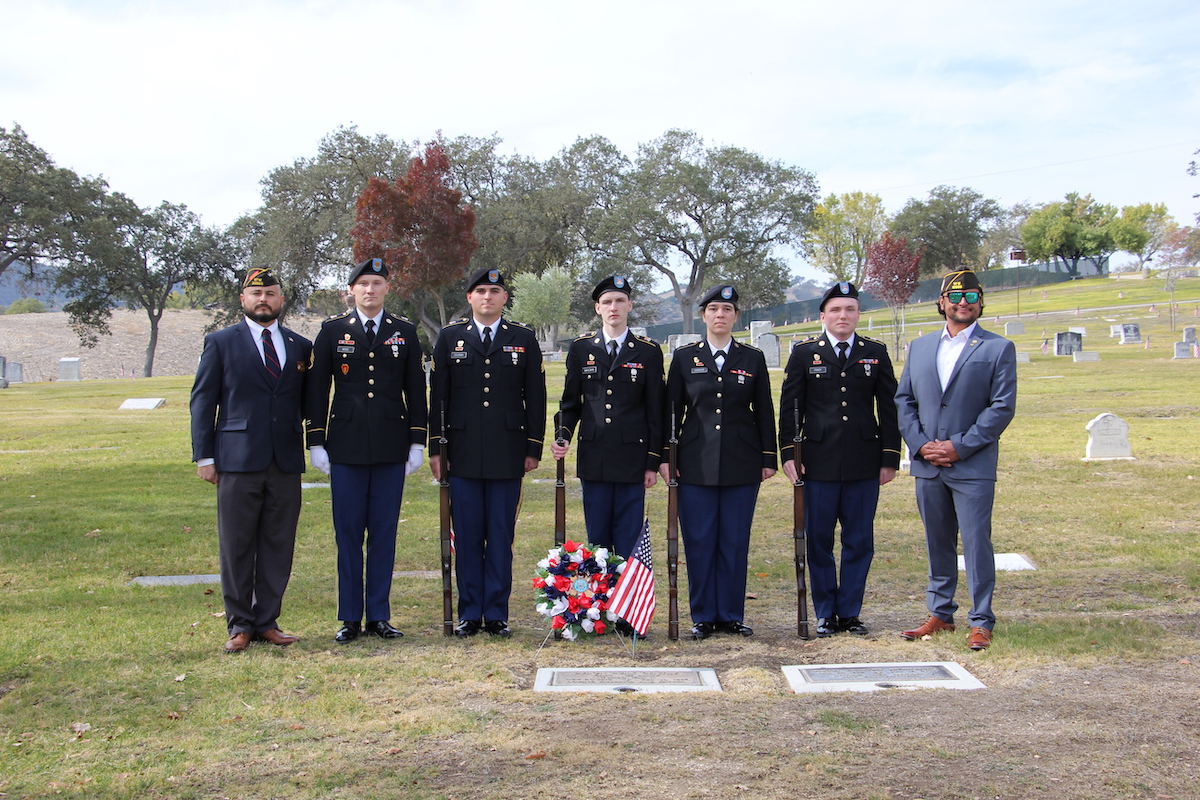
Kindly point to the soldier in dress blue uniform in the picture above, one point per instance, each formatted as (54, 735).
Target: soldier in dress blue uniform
(614, 392)
(845, 389)
(489, 382)
(721, 397)
(367, 440)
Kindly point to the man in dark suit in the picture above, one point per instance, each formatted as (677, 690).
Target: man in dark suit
(375, 437)
(248, 439)
(720, 394)
(489, 390)
(957, 395)
(614, 392)
(844, 388)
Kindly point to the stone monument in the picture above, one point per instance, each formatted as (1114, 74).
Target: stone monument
(1014, 328)
(1131, 333)
(1189, 334)
(1183, 350)
(68, 369)
(1067, 344)
(769, 344)
(1108, 439)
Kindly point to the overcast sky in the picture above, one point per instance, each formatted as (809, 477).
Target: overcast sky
(194, 102)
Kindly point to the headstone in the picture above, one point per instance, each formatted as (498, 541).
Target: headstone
(1108, 439)
(1085, 355)
(632, 679)
(1066, 344)
(174, 580)
(68, 369)
(1114, 331)
(1014, 328)
(1080, 331)
(1022, 357)
(758, 328)
(546, 347)
(1131, 333)
(817, 678)
(1189, 334)
(143, 403)
(14, 372)
(682, 339)
(3, 382)
(638, 330)
(1183, 350)
(1005, 562)
(905, 458)
(769, 344)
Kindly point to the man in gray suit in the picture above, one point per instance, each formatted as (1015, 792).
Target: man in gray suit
(957, 395)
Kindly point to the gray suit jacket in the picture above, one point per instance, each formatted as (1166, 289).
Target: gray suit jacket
(979, 402)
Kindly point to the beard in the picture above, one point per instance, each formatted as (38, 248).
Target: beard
(263, 315)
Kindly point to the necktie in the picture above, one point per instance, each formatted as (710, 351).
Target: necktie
(270, 357)
(612, 350)
(842, 348)
(487, 338)
(720, 359)
(370, 332)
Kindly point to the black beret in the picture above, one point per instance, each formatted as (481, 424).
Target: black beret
(722, 294)
(842, 289)
(372, 266)
(613, 283)
(961, 281)
(487, 276)
(260, 277)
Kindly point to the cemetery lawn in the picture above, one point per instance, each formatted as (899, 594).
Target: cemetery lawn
(112, 690)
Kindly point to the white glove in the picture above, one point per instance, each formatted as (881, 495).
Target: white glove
(416, 457)
(320, 459)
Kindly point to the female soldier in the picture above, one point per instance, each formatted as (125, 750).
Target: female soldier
(720, 396)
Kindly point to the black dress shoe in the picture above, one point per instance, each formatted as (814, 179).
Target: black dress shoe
(497, 627)
(348, 632)
(703, 630)
(853, 625)
(467, 627)
(736, 627)
(827, 627)
(383, 629)
(625, 628)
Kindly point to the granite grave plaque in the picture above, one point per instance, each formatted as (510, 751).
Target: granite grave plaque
(1183, 350)
(877, 677)
(143, 403)
(612, 679)
(68, 369)
(174, 580)
(1131, 333)
(1005, 562)
(14, 372)
(1085, 355)
(1068, 343)
(1022, 357)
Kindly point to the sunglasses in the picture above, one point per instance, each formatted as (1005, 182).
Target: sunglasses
(958, 297)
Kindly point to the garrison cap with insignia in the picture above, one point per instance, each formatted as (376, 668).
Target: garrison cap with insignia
(724, 294)
(961, 281)
(613, 283)
(485, 277)
(260, 277)
(372, 266)
(842, 289)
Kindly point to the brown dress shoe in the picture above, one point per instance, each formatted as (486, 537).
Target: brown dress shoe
(979, 638)
(931, 626)
(278, 637)
(238, 642)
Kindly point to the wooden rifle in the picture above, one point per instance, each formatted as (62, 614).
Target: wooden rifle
(799, 536)
(672, 533)
(560, 488)
(444, 483)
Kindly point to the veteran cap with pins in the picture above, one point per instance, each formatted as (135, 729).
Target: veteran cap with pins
(260, 276)
(960, 281)
(722, 294)
(840, 289)
(613, 283)
(372, 266)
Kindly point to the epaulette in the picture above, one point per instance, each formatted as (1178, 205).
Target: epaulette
(583, 336)
(340, 316)
(748, 346)
(646, 340)
(869, 339)
(462, 321)
(518, 324)
(400, 317)
(691, 344)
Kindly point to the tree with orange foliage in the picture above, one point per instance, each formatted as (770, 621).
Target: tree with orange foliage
(422, 230)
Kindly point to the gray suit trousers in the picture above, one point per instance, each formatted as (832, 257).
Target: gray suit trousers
(948, 506)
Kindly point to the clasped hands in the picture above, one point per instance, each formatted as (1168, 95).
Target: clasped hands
(939, 452)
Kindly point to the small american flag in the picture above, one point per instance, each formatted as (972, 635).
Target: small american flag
(633, 599)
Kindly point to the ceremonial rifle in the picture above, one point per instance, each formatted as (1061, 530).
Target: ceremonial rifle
(444, 483)
(799, 536)
(672, 534)
(560, 488)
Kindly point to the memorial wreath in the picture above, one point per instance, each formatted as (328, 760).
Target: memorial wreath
(573, 585)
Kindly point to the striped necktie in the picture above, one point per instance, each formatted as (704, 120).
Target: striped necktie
(270, 357)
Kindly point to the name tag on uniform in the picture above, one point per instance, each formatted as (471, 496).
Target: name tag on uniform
(590, 370)
(699, 370)
(457, 355)
(818, 370)
(345, 348)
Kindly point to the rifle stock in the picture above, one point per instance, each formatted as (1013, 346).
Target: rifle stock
(799, 534)
(672, 534)
(444, 483)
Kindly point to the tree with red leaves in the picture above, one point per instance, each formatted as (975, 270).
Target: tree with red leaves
(892, 271)
(421, 229)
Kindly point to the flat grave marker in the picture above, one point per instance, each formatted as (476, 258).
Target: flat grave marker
(649, 680)
(819, 678)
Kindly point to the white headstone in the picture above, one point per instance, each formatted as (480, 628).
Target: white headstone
(1108, 439)
(1189, 334)
(1080, 331)
(68, 369)
(1114, 331)
(3, 382)
(758, 328)
(143, 403)
(1131, 332)
(1085, 355)
(1183, 350)
(769, 344)
(14, 372)
(682, 339)
(638, 330)
(1022, 357)
(1014, 328)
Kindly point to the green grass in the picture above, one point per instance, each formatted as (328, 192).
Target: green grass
(91, 497)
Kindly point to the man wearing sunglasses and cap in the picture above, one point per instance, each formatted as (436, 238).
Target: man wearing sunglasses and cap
(489, 388)
(957, 395)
